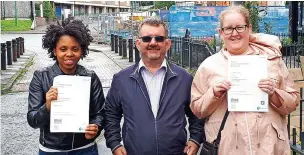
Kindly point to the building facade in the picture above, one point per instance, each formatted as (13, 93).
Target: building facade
(76, 8)
(24, 9)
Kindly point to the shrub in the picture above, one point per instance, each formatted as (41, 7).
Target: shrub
(48, 11)
(286, 41)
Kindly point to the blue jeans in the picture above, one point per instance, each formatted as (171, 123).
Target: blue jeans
(92, 150)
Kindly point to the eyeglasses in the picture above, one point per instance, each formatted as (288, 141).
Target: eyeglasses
(229, 30)
(149, 38)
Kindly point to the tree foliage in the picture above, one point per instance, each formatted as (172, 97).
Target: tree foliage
(163, 4)
(252, 7)
(48, 11)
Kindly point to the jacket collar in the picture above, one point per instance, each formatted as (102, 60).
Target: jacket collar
(170, 71)
(142, 65)
(80, 70)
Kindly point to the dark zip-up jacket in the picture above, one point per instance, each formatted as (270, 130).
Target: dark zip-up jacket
(39, 117)
(142, 133)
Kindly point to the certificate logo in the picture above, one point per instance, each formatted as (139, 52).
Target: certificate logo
(234, 100)
(261, 108)
(262, 102)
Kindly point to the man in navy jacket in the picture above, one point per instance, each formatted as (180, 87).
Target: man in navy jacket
(153, 96)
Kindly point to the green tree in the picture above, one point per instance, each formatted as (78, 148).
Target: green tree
(48, 11)
(268, 27)
(252, 6)
(163, 4)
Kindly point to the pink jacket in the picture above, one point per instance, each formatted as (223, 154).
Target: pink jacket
(246, 133)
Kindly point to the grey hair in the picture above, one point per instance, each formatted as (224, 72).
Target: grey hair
(153, 22)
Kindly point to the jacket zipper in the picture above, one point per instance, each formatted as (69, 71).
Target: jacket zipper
(73, 141)
(153, 117)
(43, 136)
(249, 139)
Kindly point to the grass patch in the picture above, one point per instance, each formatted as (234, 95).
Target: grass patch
(9, 25)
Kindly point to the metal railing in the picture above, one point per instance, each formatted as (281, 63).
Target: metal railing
(189, 52)
(297, 142)
(291, 55)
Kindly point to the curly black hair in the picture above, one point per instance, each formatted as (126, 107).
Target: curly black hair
(74, 28)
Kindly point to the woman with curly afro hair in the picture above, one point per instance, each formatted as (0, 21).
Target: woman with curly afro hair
(66, 43)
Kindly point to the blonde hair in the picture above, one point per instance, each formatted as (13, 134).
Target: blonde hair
(235, 9)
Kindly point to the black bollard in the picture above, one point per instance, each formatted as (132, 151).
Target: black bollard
(124, 48)
(3, 56)
(116, 43)
(21, 45)
(120, 45)
(112, 42)
(9, 52)
(130, 43)
(18, 47)
(136, 55)
(14, 47)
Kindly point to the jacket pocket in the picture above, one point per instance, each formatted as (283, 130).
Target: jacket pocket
(280, 143)
(279, 132)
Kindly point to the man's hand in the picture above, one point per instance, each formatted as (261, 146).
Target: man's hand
(191, 148)
(120, 151)
(91, 131)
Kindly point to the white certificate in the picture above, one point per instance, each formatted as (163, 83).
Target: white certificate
(70, 112)
(244, 73)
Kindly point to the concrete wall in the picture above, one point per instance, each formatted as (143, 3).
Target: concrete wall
(23, 7)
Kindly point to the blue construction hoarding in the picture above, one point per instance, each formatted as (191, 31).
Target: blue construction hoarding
(203, 20)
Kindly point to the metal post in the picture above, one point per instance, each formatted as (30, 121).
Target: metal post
(301, 16)
(18, 47)
(3, 56)
(132, 20)
(294, 136)
(21, 46)
(302, 140)
(124, 48)
(182, 51)
(14, 47)
(301, 112)
(190, 55)
(112, 42)
(9, 52)
(16, 14)
(136, 55)
(288, 126)
(185, 51)
(120, 45)
(116, 43)
(294, 21)
(130, 43)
